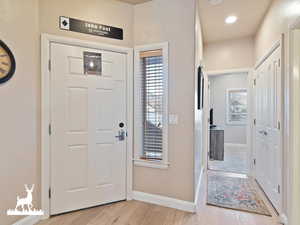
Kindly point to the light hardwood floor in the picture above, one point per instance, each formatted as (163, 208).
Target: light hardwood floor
(140, 213)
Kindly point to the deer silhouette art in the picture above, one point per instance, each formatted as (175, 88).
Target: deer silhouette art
(26, 201)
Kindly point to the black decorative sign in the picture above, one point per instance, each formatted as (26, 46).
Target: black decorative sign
(71, 24)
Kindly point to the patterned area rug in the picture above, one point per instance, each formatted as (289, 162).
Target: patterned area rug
(235, 193)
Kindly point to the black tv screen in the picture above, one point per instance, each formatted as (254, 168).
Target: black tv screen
(211, 117)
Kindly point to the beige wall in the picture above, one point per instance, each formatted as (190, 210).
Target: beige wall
(108, 12)
(21, 25)
(198, 125)
(276, 22)
(173, 21)
(295, 157)
(19, 99)
(280, 14)
(232, 54)
(20, 110)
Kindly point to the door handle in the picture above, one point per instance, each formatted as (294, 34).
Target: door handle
(121, 135)
(263, 132)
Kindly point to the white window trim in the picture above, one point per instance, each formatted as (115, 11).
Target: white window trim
(164, 163)
(227, 107)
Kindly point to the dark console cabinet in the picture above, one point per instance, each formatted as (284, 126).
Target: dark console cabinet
(216, 151)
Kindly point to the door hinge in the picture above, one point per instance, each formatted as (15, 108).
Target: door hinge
(254, 82)
(278, 189)
(50, 129)
(49, 193)
(254, 161)
(254, 121)
(278, 125)
(49, 65)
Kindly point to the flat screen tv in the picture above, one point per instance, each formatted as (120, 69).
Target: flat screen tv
(211, 116)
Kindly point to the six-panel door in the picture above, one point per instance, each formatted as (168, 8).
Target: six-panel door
(88, 162)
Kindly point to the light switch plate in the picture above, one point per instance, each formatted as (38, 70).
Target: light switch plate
(173, 119)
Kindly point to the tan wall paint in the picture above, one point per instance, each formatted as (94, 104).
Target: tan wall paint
(107, 12)
(280, 14)
(198, 125)
(232, 54)
(173, 21)
(276, 22)
(295, 124)
(19, 99)
(20, 109)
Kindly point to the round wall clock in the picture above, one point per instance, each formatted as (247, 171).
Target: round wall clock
(7, 63)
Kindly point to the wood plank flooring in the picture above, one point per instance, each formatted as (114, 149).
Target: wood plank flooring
(140, 213)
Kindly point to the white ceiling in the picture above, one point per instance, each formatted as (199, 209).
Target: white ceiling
(135, 1)
(249, 12)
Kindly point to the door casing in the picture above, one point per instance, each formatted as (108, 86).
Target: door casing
(46, 40)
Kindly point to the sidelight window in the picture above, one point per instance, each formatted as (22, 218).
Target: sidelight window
(151, 94)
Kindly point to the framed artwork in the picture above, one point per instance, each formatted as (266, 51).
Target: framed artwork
(200, 89)
(236, 107)
(202, 92)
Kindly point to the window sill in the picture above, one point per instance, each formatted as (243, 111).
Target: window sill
(151, 164)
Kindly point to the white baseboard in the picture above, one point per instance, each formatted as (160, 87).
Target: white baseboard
(164, 201)
(28, 220)
(235, 145)
(198, 188)
(283, 219)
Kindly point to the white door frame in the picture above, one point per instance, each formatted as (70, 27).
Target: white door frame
(46, 40)
(249, 72)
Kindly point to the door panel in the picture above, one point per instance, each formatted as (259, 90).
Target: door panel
(77, 109)
(268, 135)
(88, 163)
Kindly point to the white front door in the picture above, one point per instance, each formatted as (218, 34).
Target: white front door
(267, 130)
(88, 111)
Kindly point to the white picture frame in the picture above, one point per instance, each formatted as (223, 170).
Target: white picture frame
(236, 106)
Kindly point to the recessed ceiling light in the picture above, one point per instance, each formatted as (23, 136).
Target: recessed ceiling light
(231, 19)
(215, 2)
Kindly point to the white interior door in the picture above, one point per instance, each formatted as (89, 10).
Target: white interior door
(88, 163)
(268, 148)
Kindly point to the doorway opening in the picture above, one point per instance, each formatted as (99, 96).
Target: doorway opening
(229, 108)
(229, 153)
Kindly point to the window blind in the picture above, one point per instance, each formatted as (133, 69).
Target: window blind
(152, 103)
